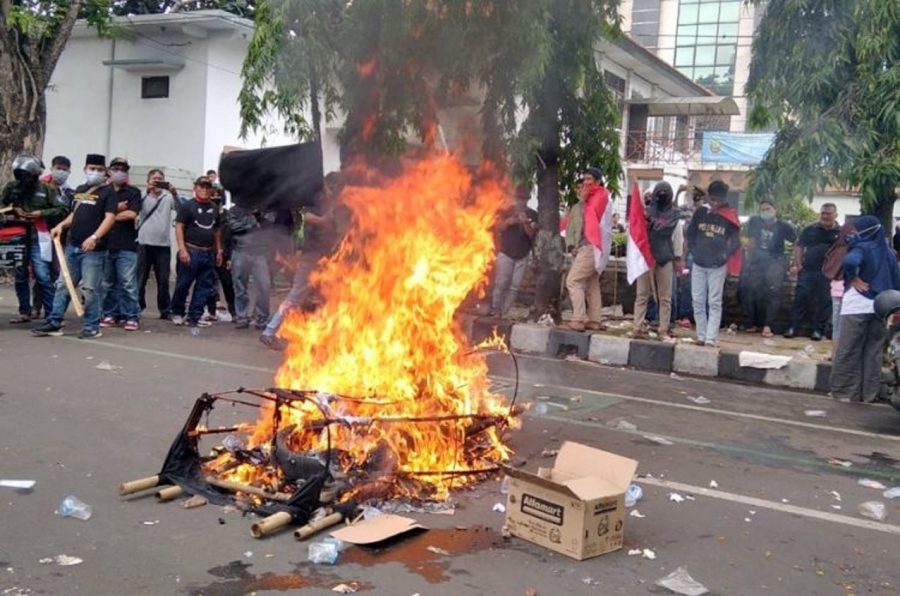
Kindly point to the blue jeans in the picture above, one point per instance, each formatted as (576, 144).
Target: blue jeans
(120, 290)
(707, 285)
(299, 291)
(87, 268)
(508, 274)
(41, 270)
(243, 267)
(201, 273)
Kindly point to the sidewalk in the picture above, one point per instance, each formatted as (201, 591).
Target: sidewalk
(797, 363)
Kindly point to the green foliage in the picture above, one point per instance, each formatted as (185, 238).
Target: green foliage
(826, 74)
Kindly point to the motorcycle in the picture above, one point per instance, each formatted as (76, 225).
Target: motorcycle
(887, 305)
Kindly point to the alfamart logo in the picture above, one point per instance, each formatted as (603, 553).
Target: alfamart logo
(542, 509)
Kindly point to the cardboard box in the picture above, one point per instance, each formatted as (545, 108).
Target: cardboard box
(576, 508)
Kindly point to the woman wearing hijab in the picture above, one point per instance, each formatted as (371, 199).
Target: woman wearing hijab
(869, 268)
(667, 246)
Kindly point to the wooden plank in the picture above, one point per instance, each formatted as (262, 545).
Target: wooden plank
(64, 271)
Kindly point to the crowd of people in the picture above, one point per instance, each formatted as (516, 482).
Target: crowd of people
(116, 234)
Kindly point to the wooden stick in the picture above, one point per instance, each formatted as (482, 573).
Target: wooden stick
(169, 492)
(136, 486)
(73, 292)
(6, 209)
(271, 524)
(250, 490)
(304, 532)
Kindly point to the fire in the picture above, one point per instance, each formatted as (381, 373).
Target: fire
(385, 343)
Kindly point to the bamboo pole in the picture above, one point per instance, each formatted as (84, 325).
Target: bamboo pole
(168, 493)
(136, 486)
(70, 285)
(271, 524)
(304, 532)
(250, 490)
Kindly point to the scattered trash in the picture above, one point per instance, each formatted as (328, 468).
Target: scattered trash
(634, 552)
(221, 521)
(504, 486)
(248, 554)
(636, 513)
(549, 452)
(604, 361)
(499, 508)
(633, 494)
(891, 493)
(344, 589)
(545, 320)
(689, 497)
(836, 507)
(438, 551)
(785, 500)
(699, 400)
(648, 554)
(658, 440)
(840, 462)
(762, 360)
(71, 506)
(713, 484)
(681, 582)
(815, 413)
(589, 581)
(18, 484)
(747, 519)
(675, 376)
(873, 510)
(67, 561)
(676, 498)
(46, 561)
(195, 501)
(836, 495)
(325, 552)
(504, 531)
(105, 365)
(151, 523)
(871, 484)
(621, 424)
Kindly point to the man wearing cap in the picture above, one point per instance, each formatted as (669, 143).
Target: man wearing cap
(120, 301)
(92, 217)
(199, 236)
(32, 202)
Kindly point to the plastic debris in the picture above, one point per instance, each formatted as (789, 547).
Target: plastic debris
(891, 493)
(658, 440)
(151, 523)
(620, 424)
(105, 365)
(549, 452)
(72, 506)
(871, 484)
(634, 552)
(195, 501)
(873, 510)
(676, 376)
(836, 495)
(325, 552)
(648, 553)
(676, 498)
(636, 513)
(67, 561)
(438, 551)
(699, 400)
(681, 582)
(815, 413)
(18, 484)
(840, 462)
(499, 508)
(633, 494)
(248, 554)
(504, 486)
(344, 589)
(713, 484)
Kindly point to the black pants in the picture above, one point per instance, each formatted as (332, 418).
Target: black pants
(811, 298)
(159, 259)
(223, 274)
(762, 288)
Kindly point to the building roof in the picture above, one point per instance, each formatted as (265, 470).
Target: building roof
(689, 106)
(651, 67)
(199, 23)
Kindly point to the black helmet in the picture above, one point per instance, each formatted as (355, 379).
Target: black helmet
(28, 163)
(887, 303)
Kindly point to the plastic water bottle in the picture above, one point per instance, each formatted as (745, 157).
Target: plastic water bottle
(634, 494)
(325, 552)
(72, 506)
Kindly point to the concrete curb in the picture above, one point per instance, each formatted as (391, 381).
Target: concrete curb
(800, 373)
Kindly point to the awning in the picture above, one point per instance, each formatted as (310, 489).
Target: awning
(688, 106)
(143, 64)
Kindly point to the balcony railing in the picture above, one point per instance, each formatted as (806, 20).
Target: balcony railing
(649, 148)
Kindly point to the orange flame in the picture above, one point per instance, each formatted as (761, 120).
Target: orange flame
(386, 333)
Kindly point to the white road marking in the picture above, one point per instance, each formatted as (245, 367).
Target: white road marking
(764, 504)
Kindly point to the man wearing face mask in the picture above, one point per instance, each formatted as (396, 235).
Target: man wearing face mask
(32, 202)
(120, 301)
(93, 215)
(763, 281)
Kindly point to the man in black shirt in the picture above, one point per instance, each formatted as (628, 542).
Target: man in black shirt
(517, 226)
(762, 280)
(120, 302)
(813, 292)
(92, 217)
(199, 236)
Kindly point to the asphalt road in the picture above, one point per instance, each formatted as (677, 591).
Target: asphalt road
(773, 526)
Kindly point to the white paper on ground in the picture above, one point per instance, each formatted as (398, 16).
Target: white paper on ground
(760, 360)
(18, 484)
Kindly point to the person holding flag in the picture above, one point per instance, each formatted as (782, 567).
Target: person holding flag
(589, 237)
(714, 240)
(655, 248)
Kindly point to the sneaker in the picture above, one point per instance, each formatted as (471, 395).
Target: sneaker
(816, 336)
(85, 334)
(177, 320)
(224, 317)
(272, 342)
(107, 322)
(47, 329)
(790, 333)
(131, 326)
(242, 324)
(200, 323)
(208, 317)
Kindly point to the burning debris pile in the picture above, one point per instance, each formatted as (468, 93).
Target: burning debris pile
(379, 397)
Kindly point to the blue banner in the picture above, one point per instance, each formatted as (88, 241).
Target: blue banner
(735, 147)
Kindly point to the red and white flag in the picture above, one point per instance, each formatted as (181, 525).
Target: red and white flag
(638, 257)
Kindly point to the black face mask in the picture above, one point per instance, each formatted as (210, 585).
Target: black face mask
(24, 178)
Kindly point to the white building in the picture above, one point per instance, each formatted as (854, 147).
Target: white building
(162, 93)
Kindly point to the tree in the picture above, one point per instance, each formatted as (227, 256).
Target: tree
(826, 74)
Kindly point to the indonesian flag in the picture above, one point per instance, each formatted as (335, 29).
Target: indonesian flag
(638, 257)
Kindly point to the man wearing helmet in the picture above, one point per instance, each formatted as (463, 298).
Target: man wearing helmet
(33, 202)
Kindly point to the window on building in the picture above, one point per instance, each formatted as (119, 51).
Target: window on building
(706, 42)
(154, 87)
(645, 22)
(616, 85)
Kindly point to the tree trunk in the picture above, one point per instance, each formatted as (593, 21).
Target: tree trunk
(884, 210)
(23, 112)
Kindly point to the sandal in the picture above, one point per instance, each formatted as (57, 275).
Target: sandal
(20, 319)
(767, 332)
